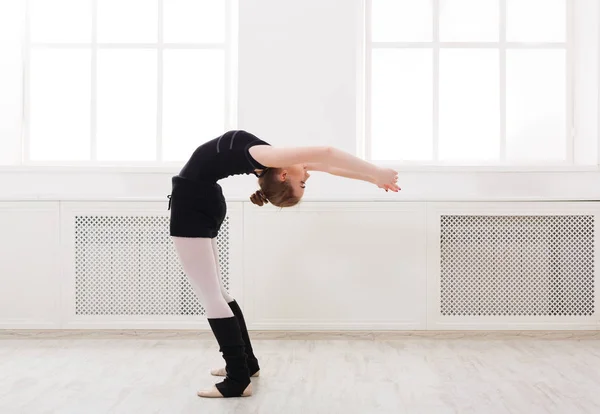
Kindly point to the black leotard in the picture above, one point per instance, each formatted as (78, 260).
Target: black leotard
(223, 156)
(197, 204)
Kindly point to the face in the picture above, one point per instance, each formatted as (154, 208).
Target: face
(296, 175)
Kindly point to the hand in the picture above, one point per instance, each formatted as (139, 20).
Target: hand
(387, 179)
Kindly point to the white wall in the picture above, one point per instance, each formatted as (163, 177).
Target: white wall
(30, 267)
(336, 266)
(298, 71)
(321, 266)
(298, 83)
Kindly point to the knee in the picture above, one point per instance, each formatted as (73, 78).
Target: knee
(217, 307)
(228, 298)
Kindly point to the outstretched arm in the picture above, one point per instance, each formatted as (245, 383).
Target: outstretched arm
(284, 157)
(340, 172)
(331, 158)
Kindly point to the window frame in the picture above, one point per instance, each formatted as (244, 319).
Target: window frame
(229, 47)
(364, 141)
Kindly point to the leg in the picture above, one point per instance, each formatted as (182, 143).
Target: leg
(197, 259)
(228, 298)
(253, 367)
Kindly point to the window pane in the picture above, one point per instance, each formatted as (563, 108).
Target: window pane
(469, 20)
(401, 21)
(536, 20)
(535, 105)
(201, 21)
(194, 99)
(60, 20)
(126, 105)
(59, 127)
(401, 104)
(469, 105)
(127, 21)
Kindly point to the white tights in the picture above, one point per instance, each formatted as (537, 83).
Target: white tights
(200, 260)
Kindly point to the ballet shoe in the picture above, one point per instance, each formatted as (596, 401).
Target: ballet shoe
(215, 393)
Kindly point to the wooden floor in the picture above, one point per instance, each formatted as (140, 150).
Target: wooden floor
(406, 375)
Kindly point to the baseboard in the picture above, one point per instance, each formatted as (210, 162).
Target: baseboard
(16, 334)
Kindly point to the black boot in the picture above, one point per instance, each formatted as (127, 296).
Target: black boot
(253, 367)
(229, 336)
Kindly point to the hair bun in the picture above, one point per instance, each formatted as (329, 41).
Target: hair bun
(259, 198)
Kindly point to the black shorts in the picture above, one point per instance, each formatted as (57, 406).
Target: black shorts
(197, 208)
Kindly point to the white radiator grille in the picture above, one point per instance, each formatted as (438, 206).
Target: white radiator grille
(517, 265)
(127, 265)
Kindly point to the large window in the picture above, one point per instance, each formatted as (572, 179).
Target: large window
(470, 81)
(125, 81)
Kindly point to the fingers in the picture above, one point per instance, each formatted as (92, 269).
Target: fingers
(393, 187)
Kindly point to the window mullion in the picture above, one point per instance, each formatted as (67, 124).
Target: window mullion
(227, 65)
(159, 90)
(368, 144)
(570, 71)
(436, 79)
(502, 59)
(26, 142)
(93, 83)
